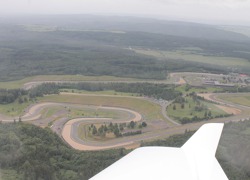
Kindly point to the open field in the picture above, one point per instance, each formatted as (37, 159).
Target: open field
(90, 112)
(242, 99)
(14, 84)
(197, 89)
(246, 132)
(13, 109)
(48, 112)
(110, 92)
(193, 56)
(148, 109)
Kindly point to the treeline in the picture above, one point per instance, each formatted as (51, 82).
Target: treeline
(44, 89)
(10, 95)
(117, 129)
(159, 91)
(207, 115)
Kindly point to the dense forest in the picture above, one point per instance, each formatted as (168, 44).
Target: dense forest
(49, 46)
(30, 152)
(10, 95)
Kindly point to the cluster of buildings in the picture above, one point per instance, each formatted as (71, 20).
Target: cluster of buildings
(229, 80)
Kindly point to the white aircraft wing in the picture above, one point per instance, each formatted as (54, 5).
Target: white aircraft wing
(195, 160)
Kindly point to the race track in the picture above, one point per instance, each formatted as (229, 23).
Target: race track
(67, 128)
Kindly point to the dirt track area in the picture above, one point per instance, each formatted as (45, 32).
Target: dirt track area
(230, 110)
(181, 81)
(227, 109)
(68, 131)
(66, 134)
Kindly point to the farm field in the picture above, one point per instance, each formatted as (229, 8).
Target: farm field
(242, 99)
(193, 56)
(148, 109)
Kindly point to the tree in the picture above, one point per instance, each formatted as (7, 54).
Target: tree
(20, 100)
(94, 130)
(132, 124)
(205, 114)
(209, 114)
(117, 132)
(174, 107)
(144, 124)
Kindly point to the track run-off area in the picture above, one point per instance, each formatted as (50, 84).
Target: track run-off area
(67, 127)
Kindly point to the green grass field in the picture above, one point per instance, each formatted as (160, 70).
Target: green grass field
(14, 84)
(148, 109)
(242, 99)
(189, 109)
(197, 89)
(48, 112)
(192, 56)
(111, 92)
(90, 112)
(82, 131)
(246, 132)
(13, 109)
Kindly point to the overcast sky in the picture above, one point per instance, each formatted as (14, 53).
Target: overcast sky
(212, 11)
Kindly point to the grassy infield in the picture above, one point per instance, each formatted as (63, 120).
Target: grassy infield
(148, 109)
(189, 110)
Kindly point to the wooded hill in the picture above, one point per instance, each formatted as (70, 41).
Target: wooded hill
(29, 152)
(80, 45)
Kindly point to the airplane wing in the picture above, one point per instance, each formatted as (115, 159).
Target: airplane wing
(195, 160)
